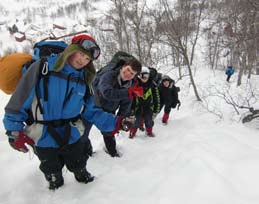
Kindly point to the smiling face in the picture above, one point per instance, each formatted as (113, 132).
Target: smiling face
(166, 83)
(127, 73)
(78, 60)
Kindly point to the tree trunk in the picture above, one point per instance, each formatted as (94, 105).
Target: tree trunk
(191, 77)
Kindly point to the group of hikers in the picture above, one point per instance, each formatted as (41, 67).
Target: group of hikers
(54, 112)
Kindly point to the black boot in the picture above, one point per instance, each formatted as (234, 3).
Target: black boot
(115, 154)
(83, 176)
(110, 144)
(55, 180)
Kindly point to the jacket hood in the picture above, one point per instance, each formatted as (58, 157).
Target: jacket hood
(90, 71)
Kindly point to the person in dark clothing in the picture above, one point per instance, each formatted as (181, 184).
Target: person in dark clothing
(114, 92)
(229, 72)
(155, 75)
(57, 127)
(156, 78)
(168, 96)
(144, 107)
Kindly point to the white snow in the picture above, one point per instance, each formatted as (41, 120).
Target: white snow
(194, 159)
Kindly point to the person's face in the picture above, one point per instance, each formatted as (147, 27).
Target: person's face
(144, 80)
(78, 60)
(166, 83)
(127, 73)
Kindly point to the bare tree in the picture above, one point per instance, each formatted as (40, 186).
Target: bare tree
(182, 31)
(117, 15)
(135, 29)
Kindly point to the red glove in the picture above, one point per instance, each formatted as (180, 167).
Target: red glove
(135, 91)
(18, 139)
(118, 125)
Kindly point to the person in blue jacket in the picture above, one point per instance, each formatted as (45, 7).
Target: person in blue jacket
(115, 90)
(229, 72)
(46, 109)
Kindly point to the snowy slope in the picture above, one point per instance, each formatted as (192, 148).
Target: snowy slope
(194, 159)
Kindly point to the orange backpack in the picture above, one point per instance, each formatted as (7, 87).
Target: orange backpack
(11, 70)
(12, 66)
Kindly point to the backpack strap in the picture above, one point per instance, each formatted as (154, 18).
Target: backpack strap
(51, 125)
(62, 142)
(45, 73)
(44, 68)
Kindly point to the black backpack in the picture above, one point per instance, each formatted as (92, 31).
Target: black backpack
(155, 75)
(117, 60)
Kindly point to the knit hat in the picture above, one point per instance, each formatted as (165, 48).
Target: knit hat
(71, 49)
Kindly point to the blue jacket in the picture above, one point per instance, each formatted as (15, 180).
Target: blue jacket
(229, 70)
(66, 99)
(112, 93)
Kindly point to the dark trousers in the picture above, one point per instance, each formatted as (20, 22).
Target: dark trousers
(228, 77)
(146, 115)
(52, 160)
(167, 107)
(110, 142)
(108, 138)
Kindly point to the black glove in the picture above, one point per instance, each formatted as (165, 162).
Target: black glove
(127, 123)
(124, 124)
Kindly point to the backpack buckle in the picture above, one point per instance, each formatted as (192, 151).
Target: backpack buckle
(45, 68)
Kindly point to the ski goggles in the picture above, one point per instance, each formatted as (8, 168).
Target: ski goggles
(144, 75)
(90, 46)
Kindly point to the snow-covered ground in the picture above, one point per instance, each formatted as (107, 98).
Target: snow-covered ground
(194, 159)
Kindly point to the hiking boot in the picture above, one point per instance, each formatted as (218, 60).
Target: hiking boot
(83, 176)
(55, 180)
(132, 132)
(113, 153)
(116, 154)
(149, 132)
(165, 118)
